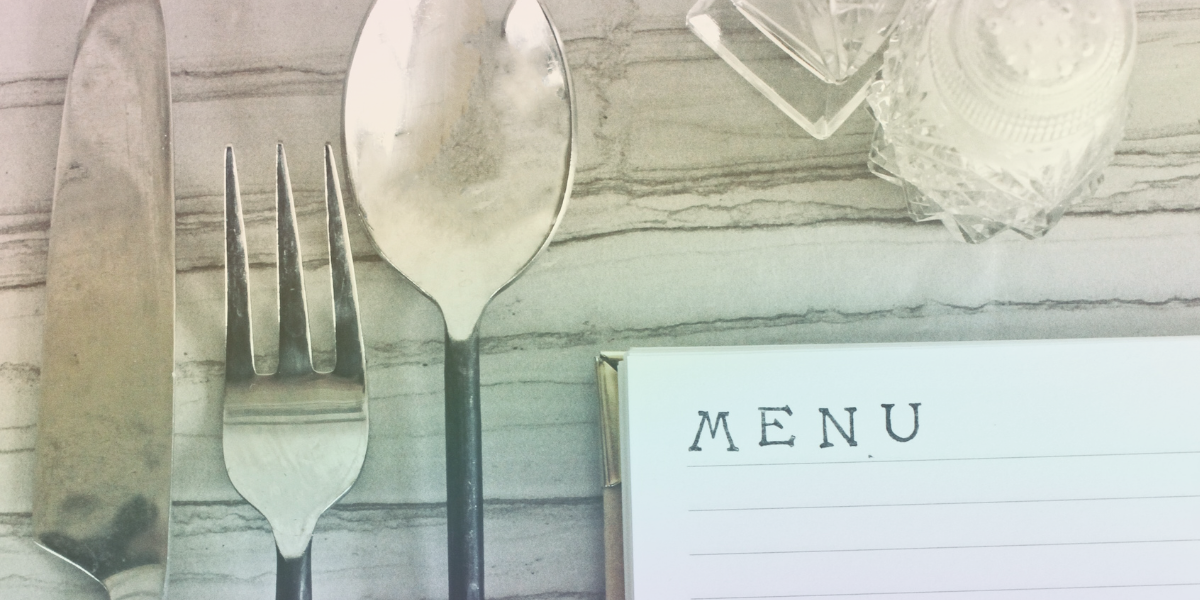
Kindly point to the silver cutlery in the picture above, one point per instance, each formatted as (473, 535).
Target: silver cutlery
(102, 488)
(460, 143)
(295, 440)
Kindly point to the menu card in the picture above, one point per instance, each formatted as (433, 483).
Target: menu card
(1061, 469)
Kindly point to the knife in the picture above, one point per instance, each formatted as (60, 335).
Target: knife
(102, 494)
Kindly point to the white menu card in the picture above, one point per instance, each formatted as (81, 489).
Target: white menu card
(1064, 469)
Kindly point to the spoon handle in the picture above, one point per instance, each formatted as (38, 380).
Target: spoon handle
(464, 469)
(293, 576)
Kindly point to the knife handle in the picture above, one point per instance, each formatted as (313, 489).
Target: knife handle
(293, 576)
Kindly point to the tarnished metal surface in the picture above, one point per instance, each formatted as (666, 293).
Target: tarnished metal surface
(459, 140)
(102, 488)
(294, 441)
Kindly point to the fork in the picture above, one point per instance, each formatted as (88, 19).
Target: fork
(294, 441)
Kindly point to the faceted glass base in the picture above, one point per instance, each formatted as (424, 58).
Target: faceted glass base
(820, 107)
(976, 199)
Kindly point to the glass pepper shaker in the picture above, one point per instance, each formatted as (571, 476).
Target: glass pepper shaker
(1001, 114)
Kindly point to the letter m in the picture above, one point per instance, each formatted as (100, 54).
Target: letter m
(722, 421)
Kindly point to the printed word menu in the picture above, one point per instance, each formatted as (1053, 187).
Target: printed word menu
(1023, 470)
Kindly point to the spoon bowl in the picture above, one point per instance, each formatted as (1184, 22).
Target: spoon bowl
(459, 144)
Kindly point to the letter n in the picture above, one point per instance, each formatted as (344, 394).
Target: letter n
(828, 418)
(722, 421)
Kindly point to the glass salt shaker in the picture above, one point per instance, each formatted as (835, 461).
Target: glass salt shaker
(1001, 114)
(813, 59)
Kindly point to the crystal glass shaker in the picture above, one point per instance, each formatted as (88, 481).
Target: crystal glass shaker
(813, 59)
(1001, 114)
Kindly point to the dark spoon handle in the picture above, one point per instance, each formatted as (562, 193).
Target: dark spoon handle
(293, 576)
(464, 469)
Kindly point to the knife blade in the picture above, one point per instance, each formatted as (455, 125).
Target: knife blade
(103, 453)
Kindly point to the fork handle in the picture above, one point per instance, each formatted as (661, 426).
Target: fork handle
(293, 576)
(464, 469)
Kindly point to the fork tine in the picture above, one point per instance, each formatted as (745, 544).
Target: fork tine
(295, 357)
(348, 344)
(239, 346)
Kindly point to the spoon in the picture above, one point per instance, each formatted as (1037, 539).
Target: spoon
(459, 129)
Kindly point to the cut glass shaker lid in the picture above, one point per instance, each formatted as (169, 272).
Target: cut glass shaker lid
(1032, 70)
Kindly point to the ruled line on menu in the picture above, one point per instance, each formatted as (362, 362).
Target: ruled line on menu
(957, 503)
(963, 591)
(948, 459)
(967, 547)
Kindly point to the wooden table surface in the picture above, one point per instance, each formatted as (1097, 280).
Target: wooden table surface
(700, 216)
